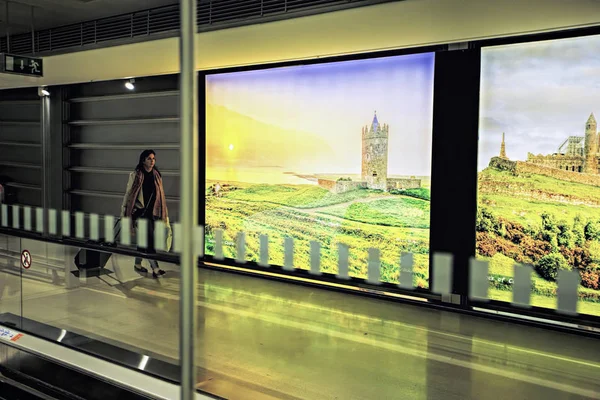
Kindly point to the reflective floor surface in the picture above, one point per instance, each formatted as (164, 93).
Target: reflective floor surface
(261, 339)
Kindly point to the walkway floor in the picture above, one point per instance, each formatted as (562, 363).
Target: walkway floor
(270, 340)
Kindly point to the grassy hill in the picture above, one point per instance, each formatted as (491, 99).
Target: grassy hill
(300, 196)
(361, 219)
(535, 219)
(524, 198)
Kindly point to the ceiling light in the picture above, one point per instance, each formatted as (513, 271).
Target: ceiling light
(129, 84)
(45, 92)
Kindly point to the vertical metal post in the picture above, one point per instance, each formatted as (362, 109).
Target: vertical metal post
(188, 84)
(7, 27)
(46, 152)
(32, 31)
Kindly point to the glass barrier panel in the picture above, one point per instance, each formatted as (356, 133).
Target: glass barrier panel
(10, 281)
(96, 294)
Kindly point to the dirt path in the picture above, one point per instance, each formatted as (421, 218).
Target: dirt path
(334, 221)
(312, 210)
(346, 203)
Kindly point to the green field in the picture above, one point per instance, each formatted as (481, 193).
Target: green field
(548, 223)
(361, 219)
(299, 196)
(404, 212)
(524, 198)
(583, 307)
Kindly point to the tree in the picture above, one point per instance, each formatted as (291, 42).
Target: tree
(565, 236)
(590, 277)
(486, 221)
(502, 229)
(549, 265)
(548, 223)
(592, 231)
(550, 231)
(579, 231)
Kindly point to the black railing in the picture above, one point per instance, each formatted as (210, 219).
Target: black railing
(212, 14)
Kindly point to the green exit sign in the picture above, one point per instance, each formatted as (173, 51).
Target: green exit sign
(22, 65)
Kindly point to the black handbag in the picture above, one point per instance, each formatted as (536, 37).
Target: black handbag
(138, 212)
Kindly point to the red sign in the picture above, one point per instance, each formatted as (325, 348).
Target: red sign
(26, 259)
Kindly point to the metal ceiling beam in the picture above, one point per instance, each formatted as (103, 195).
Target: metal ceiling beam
(48, 4)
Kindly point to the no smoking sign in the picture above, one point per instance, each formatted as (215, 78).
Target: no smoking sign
(26, 259)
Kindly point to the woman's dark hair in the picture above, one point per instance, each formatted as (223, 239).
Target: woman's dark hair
(145, 154)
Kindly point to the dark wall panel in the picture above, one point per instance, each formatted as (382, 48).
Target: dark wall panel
(117, 182)
(99, 181)
(19, 133)
(21, 111)
(108, 127)
(28, 196)
(144, 107)
(122, 158)
(105, 204)
(21, 175)
(15, 152)
(143, 134)
(20, 144)
(96, 204)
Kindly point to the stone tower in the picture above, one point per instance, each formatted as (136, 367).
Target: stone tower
(591, 146)
(375, 155)
(503, 149)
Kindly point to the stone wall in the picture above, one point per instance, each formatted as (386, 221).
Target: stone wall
(403, 183)
(327, 184)
(586, 179)
(521, 167)
(559, 161)
(340, 186)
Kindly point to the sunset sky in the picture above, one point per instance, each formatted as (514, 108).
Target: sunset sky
(539, 93)
(330, 101)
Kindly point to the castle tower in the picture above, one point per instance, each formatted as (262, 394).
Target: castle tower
(375, 155)
(503, 148)
(591, 146)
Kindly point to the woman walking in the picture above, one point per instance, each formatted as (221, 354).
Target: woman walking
(145, 198)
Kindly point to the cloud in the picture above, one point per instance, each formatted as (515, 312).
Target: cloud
(538, 93)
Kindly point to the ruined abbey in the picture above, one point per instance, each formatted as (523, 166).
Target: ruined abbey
(374, 167)
(577, 159)
(576, 154)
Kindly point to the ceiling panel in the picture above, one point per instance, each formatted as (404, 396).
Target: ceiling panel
(53, 13)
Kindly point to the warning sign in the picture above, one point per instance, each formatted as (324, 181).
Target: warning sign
(7, 334)
(26, 259)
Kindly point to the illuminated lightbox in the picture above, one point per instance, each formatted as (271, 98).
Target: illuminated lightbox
(334, 152)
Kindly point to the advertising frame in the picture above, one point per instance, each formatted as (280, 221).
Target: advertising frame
(580, 320)
(277, 271)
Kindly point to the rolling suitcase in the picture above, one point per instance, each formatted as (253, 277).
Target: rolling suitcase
(87, 259)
